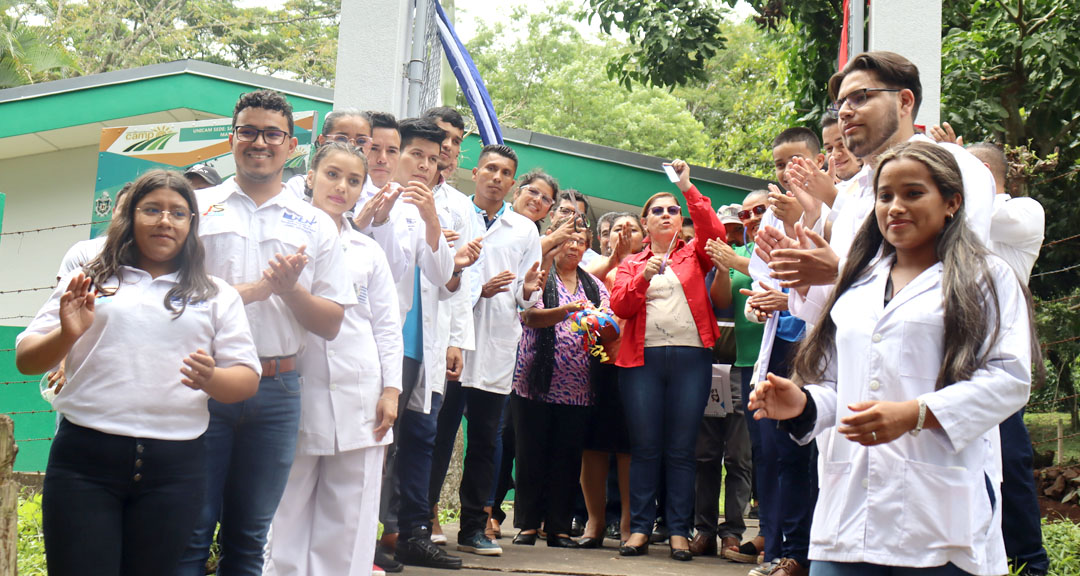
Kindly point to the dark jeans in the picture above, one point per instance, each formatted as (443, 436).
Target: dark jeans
(416, 441)
(550, 438)
(390, 498)
(754, 428)
(250, 447)
(722, 442)
(119, 505)
(479, 474)
(502, 452)
(665, 400)
(1019, 501)
(504, 479)
(789, 489)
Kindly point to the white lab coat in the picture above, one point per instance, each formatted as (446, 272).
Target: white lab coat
(917, 501)
(344, 377)
(512, 243)
(447, 319)
(1016, 233)
(853, 205)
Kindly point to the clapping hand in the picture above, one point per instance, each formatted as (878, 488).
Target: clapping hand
(285, 271)
(498, 284)
(722, 255)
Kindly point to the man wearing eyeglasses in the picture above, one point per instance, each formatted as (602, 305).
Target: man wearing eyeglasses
(284, 258)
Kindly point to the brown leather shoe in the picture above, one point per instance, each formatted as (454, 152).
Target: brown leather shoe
(703, 545)
(789, 567)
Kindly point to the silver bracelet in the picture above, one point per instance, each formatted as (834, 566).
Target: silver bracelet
(922, 417)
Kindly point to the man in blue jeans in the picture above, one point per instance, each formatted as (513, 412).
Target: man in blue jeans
(284, 258)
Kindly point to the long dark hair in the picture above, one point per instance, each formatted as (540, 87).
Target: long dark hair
(972, 311)
(194, 284)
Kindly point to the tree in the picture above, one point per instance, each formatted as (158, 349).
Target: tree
(28, 54)
(553, 81)
(744, 103)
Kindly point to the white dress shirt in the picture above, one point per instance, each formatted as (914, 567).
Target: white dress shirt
(241, 239)
(511, 243)
(1016, 233)
(123, 374)
(917, 501)
(344, 377)
(80, 254)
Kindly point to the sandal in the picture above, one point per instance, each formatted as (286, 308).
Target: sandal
(747, 553)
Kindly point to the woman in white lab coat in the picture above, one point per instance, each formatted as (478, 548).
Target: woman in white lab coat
(927, 345)
(328, 517)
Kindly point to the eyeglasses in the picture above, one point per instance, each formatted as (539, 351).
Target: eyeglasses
(671, 210)
(153, 215)
(856, 99)
(756, 211)
(545, 200)
(272, 136)
(359, 141)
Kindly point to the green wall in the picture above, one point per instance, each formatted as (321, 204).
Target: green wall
(607, 180)
(34, 420)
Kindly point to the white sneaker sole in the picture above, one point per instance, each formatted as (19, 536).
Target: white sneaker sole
(439, 539)
(480, 551)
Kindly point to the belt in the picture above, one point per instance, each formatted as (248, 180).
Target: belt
(273, 366)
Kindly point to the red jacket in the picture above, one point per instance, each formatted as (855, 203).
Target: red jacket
(689, 262)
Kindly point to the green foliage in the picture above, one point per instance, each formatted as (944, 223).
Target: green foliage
(670, 40)
(299, 40)
(28, 53)
(1062, 540)
(744, 103)
(553, 81)
(31, 554)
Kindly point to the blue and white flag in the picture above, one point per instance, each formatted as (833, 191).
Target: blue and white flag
(469, 79)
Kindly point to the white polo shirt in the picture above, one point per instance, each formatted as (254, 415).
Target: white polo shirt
(241, 239)
(344, 377)
(123, 374)
(80, 254)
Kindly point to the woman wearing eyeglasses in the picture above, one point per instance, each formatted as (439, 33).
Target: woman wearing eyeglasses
(344, 126)
(535, 195)
(148, 338)
(666, 360)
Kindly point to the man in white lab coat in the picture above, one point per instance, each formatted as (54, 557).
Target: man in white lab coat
(509, 268)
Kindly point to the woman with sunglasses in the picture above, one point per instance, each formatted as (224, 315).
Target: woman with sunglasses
(666, 360)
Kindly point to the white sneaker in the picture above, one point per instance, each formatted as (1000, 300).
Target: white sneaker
(764, 569)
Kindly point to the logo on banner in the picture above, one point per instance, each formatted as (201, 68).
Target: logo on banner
(153, 139)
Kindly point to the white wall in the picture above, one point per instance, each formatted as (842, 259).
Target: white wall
(912, 28)
(373, 43)
(42, 190)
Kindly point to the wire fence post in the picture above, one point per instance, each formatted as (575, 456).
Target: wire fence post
(9, 500)
(1060, 441)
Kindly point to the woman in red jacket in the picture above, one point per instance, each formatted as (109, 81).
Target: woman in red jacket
(666, 359)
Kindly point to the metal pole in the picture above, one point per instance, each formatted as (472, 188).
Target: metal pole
(856, 28)
(416, 63)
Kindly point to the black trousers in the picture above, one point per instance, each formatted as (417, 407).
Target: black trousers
(484, 409)
(550, 439)
(119, 505)
(390, 497)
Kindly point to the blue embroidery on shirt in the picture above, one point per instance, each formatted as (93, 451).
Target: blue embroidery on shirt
(295, 220)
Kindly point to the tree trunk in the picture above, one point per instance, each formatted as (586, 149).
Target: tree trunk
(9, 500)
(449, 498)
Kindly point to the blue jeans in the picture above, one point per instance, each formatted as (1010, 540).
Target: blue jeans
(119, 505)
(824, 568)
(249, 449)
(764, 473)
(665, 401)
(416, 443)
(787, 483)
(1020, 504)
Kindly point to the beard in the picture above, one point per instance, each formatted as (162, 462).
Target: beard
(863, 146)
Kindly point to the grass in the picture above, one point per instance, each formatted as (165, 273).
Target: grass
(1043, 430)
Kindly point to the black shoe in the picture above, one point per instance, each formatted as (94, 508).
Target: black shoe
(613, 531)
(660, 533)
(561, 542)
(753, 513)
(523, 539)
(577, 528)
(628, 550)
(681, 554)
(385, 561)
(590, 543)
(419, 550)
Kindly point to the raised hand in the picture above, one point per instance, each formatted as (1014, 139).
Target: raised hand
(805, 178)
(812, 262)
(390, 196)
(77, 307)
(683, 170)
(418, 194)
(769, 239)
(621, 244)
(498, 284)
(198, 370)
(945, 133)
(652, 267)
(367, 212)
(784, 205)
